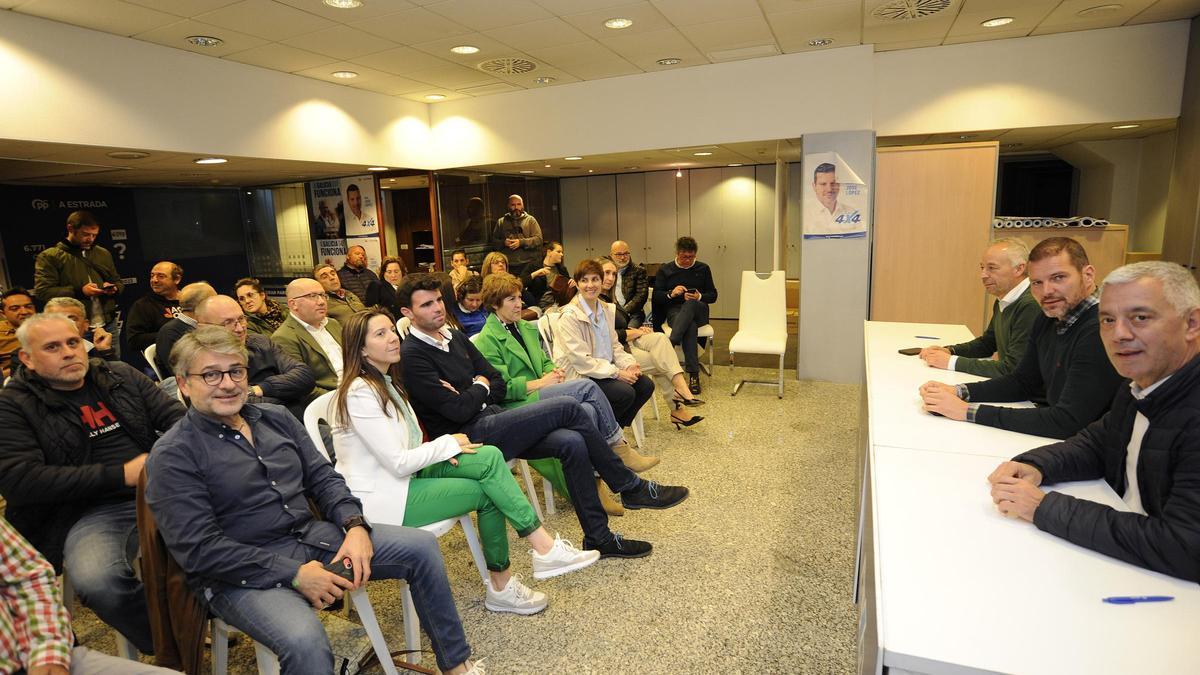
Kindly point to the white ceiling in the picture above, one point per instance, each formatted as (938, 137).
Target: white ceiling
(402, 47)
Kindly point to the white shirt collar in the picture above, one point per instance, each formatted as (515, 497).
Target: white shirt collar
(1140, 393)
(188, 320)
(1011, 297)
(443, 345)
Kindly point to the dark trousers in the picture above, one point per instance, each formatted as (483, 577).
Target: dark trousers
(626, 399)
(559, 428)
(685, 320)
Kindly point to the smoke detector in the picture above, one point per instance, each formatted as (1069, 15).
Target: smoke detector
(507, 66)
(907, 10)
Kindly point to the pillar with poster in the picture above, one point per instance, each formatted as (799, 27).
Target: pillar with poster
(344, 214)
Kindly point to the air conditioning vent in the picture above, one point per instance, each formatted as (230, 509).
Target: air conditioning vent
(907, 10)
(507, 66)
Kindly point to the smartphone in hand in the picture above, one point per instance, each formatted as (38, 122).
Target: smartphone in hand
(344, 568)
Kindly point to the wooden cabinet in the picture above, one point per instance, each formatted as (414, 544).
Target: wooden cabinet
(589, 216)
(1105, 246)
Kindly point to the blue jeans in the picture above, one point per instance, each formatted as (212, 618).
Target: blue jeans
(282, 620)
(560, 428)
(685, 320)
(114, 327)
(595, 404)
(98, 555)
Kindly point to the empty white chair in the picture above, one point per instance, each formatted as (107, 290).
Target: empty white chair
(150, 352)
(762, 322)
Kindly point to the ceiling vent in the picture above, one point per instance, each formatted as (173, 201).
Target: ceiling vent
(507, 66)
(907, 10)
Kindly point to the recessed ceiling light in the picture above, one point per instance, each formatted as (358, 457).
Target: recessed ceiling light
(1127, 126)
(210, 160)
(344, 4)
(617, 23)
(966, 137)
(589, 170)
(679, 173)
(128, 154)
(435, 97)
(543, 80)
(701, 154)
(344, 74)
(738, 164)
(820, 42)
(572, 158)
(391, 180)
(546, 165)
(377, 168)
(1098, 9)
(631, 168)
(465, 49)
(527, 171)
(668, 61)
(996, 22)
(204, 40)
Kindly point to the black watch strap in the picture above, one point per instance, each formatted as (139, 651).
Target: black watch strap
(356, 521)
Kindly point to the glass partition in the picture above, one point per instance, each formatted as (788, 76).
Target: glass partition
(470, 203)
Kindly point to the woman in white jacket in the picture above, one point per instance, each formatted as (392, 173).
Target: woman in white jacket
(403, 481)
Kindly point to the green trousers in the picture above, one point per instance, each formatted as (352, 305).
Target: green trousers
(481, 482)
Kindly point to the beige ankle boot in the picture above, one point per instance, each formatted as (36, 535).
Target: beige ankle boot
(633, 459)
(612, 505)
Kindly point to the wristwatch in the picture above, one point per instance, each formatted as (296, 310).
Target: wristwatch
(356, 521)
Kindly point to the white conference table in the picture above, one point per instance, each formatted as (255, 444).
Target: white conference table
(949, 585)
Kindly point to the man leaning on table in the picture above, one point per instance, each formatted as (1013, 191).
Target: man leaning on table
(1147, 447)
(1064, 370)
(1003, 273)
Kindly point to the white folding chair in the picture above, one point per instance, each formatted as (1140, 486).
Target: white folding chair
(125, 649)
(402, 325)
(150, 352)
(762, 322)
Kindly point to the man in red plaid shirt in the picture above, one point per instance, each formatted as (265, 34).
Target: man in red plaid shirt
(35, 632)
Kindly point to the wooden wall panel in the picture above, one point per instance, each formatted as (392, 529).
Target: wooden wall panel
(933, 212)
(661, 218)
(631, 213)
(602, 213)
(1105, 246)
(573, 204)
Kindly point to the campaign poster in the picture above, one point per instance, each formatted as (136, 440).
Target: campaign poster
(835, 198)
(331, 252)
(371, 246)
(359, 211)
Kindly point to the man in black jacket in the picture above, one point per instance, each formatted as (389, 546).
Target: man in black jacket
(274, 376)
(1064, 370)
(1147, 447)
(155, 308)
(76, 434)
(632, 288)
(683, 290)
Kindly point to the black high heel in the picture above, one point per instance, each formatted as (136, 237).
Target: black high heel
(695, 419)
(693, 403)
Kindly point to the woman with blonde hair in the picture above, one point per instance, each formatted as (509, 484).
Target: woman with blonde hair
(404, 481)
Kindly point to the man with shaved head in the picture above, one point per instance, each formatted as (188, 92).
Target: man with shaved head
(274, 376)
(190, 297)
(354, 275)
(518, 236)
(310, 336)
(633, 286)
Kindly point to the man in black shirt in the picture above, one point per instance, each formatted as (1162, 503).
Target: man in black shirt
(155, 308)
(683, 290)
(76, 434)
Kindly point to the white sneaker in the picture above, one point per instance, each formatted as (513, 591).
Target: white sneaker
(516, 597)
(477, 669)
(560, 559)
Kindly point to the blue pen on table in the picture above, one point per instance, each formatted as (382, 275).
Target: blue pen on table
(927, 337)
(1133, 599)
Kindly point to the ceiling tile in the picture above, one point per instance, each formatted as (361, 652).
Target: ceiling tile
(110, 16)
(184, 8)
(176, 34)
(586, 60)
(544, 33)
(907, 44)
(455, 77)
(1065, 17)
(341, 42)
(401, 61)
(486, 89)
(643, 49)
(488, 14)
(997, 34)
(1168, 10)
(365, 75)
(879, 30)
(369, 9)
(1026, 15)
(411, 25)
(392, 85)
(718, 35)
(449, 94)
(564, 7)
(488, 48)
(645, 19)
(687, 12)
(280, 57)
(265, 18)
(841, 22)
(526, 80)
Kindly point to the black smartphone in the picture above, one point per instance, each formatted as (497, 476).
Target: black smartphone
(343, 568)
(910, 351)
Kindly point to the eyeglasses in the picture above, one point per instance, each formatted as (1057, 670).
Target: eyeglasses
(214, 377)
(619, 254)
(310, 296)
(228, 323)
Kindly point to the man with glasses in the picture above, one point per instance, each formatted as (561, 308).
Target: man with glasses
(633, 287)
(230, 487)
(275, 377)
(76, 434)
(311, 337)
(190, 297)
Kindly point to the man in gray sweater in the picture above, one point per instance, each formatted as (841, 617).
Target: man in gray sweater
(1003, 273)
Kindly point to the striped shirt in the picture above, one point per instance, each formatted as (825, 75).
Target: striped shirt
(34, 627)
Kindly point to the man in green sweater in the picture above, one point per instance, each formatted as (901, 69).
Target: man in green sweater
(1003, 273)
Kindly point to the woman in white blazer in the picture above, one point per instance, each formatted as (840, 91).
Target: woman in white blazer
(404, 481)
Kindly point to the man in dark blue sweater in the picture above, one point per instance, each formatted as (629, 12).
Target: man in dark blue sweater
(454, 389)
(1065, 370)
(683, 290)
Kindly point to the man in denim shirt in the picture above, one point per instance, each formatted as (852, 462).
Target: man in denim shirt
(229, 486)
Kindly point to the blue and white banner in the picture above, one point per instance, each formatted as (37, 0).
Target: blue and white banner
(836, 201)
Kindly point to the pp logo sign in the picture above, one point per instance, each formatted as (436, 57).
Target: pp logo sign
(40, 204)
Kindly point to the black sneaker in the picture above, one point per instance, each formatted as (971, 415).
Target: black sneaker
(620, 547)
(694, 383)
(651, 495)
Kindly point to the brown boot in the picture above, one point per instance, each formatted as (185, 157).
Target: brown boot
(612, 506)
(633, 459)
